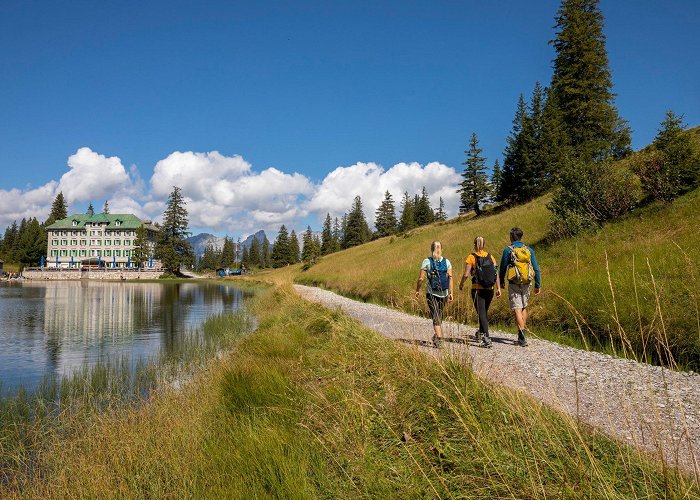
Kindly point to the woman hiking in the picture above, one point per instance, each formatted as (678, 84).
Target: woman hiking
(481, 266)
(438, 289)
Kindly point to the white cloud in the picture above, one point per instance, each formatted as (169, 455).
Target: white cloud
(16, 204)
(93, 177)
(336, 192)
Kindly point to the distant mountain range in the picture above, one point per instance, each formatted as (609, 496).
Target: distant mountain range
(200, 241)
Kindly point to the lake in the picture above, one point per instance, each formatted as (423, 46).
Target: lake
(54, 327)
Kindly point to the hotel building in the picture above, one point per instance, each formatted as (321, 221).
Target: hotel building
(106, 240)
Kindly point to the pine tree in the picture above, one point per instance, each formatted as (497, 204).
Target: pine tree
(475, 188)
(105, 208)
(228, 253)
(265, 257)
(142, 250)
(90, 210)
(32, 243)
(423, 212)
(280, 248)
(59, 210)
(385, 217)
(327, 236)
(496, 181)
(294, 247)
(519, 179)
(440, 214)
(357, 231)
(582, 83)
(312, 248)
(172, 247)
(254, 253)
(408, 217)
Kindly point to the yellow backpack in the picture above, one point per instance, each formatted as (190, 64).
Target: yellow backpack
(520, 270)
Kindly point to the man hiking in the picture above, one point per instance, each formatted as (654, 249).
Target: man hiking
(519, 267)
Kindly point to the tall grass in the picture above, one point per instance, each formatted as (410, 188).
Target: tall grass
(314, 405)
(631, 288)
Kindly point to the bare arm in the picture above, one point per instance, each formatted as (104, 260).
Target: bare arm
(419, 284)
(467, 273)
(450, 296)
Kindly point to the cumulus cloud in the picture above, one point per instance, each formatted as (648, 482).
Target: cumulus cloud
(224, 191)
(16, 204)
(92, 176)
(336, 192)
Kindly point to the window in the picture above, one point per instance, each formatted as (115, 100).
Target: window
(75, 222)
(127, 243)
(74, 252)
(118, 223)
(99, 253)
(64, 242)
(127, 253)
(93, 253)
(64, 253)
(118, 253)
(54, 243)
(74, 233)
(83, 253)
(117, 242)
(73, 242)
(108, 253)
(54, 253)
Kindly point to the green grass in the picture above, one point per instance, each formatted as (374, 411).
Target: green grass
(314, 405)
(631, 289)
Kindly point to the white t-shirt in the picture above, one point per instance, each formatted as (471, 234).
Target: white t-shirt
(425, 266)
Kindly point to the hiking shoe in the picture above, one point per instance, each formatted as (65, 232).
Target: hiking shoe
(522, 341)
(478, 336)
(486, 342)
(437, 342)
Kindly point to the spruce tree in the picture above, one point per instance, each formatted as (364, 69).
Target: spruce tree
(105, 208)
(245, 258)
(357, 231)
(59, 210)
(440, 214)
(679, 165)
(228, 253)
(344, 231)
(142, 251)
(32, 243)
(519, 178)
(294, 248)
(582, 83)
(312, 248)
(254, 253)
(337, 236)
(385, 217)
(280, 248)
(408, 214)
(475, 189)
(8, 242)
(553, 147)
(172, 248)
(496, 181)
(423, 212)
(265, 257)
(327, 236)
(90, 210)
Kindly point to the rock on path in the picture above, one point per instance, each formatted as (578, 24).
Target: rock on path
(647, 406)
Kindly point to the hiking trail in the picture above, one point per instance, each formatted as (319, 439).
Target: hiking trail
(653, 408)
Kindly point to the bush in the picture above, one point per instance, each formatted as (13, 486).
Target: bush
(591, 193)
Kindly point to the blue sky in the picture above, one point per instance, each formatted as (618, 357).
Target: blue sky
(303, 87)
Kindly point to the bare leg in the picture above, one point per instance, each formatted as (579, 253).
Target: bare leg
(438, 330)
(520, 318)
(524, 313)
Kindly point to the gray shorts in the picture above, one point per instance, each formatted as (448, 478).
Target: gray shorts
(518, 295)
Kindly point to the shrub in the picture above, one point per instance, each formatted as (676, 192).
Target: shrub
(591, 193)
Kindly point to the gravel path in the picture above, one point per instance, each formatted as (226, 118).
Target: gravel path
(648, 406)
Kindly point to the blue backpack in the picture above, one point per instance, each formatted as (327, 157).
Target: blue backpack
(437, 276)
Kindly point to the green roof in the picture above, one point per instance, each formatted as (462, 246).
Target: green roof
(128, 221)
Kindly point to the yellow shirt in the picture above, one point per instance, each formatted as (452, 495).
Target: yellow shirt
(471, 261)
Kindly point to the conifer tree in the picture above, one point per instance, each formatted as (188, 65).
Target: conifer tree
(265, 254)
(337, 236)
(408, 215)
(8, 242)
(344, 231)
(357, 230)
(142, 251)
(59, 210)
(105, 208)
(90, 210)
(518, 182)
(327, 236)
(423, 212)
(294, 252)
(254, 253)
(32, 243)
(440, 214)
(312, 248)
(280, 248)
(172, 247)
(228, 253)
(496, 181)
(245, 258)
(385, 217)
(553, 148)
(582, 83)
(210, 258)
(475, 189)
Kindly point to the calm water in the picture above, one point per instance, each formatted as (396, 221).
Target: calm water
(54, 327)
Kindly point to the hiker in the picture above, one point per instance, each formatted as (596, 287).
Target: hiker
(438, 289)
(481, 266)
(519, 266)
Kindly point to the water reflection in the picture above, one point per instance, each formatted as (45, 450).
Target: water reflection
(57, 326)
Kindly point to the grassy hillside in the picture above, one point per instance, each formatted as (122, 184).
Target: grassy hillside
(312, 405)
(632, 288)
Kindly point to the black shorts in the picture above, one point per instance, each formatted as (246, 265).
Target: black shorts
(436, 306)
